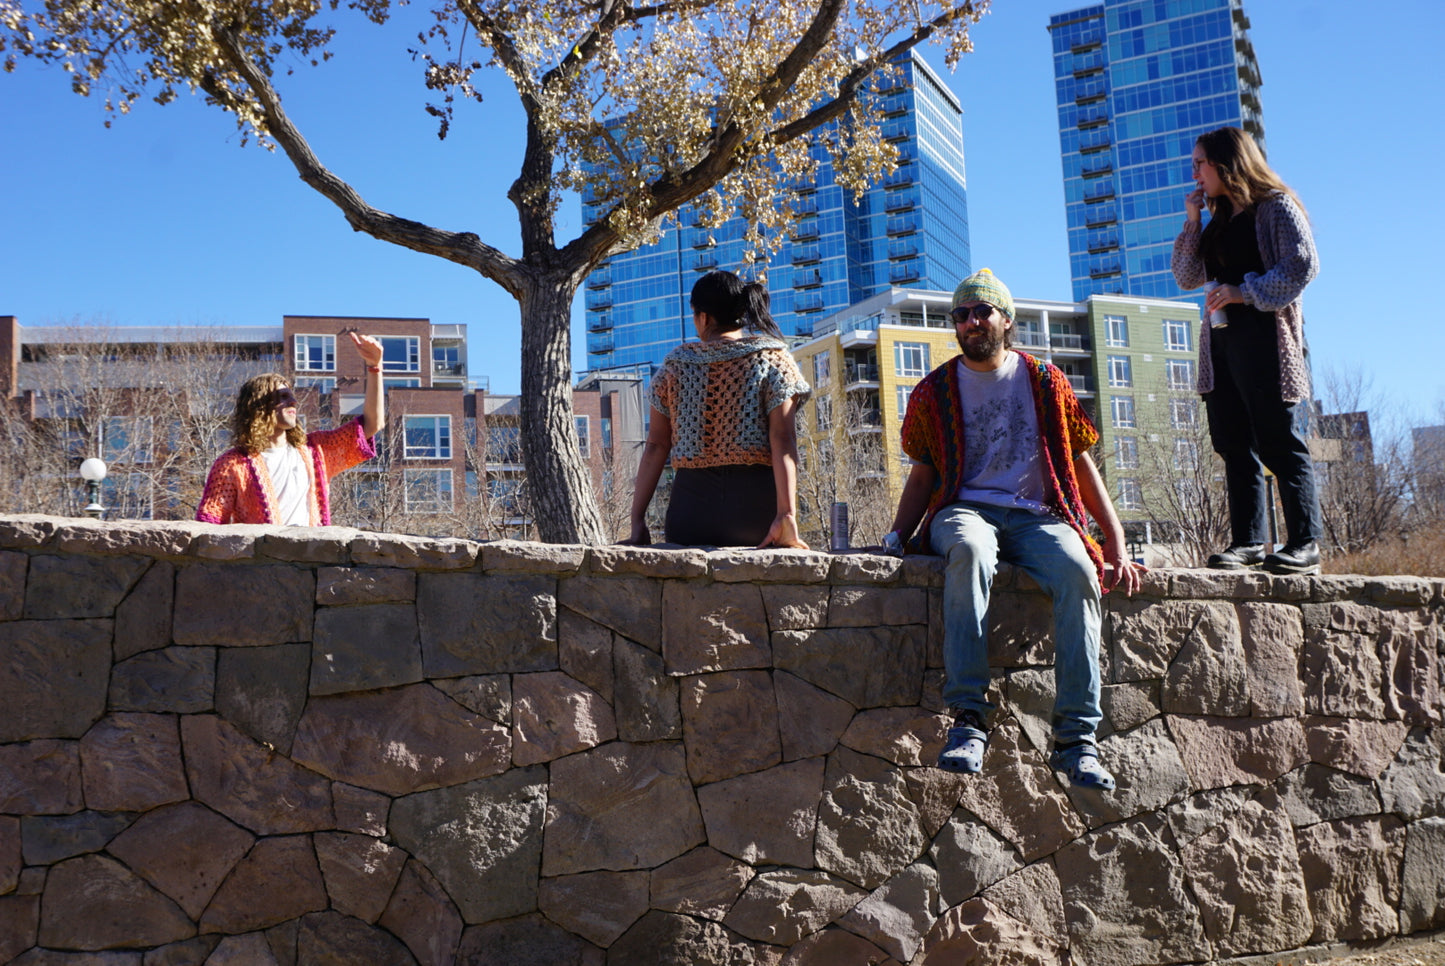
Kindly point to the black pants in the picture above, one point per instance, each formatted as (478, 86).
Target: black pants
(721, 506)
(1250, 424)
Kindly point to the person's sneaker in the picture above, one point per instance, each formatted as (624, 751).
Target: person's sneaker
(1303, 558)
(967, 741)
(1083, 768)
(1241, 556)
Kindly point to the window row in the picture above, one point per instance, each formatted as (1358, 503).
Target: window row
(399, 353)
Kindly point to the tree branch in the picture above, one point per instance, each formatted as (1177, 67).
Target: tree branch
(464, 248)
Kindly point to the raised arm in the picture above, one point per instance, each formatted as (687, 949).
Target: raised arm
(373, 410)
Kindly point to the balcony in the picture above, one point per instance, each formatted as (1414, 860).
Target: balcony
(808, 302)
(904, 174)
(1086, 43)
(1094, 142)
(893, 106)
(1090, 93)
(1101, 242)
(904, 200)
(806, 254)
(600, 323)
(860, 375)
(599, 300)
(902, 249)
(901, 273)
(1081, 383)
(896, 130)
(1066, 341)
(1093, 118)
(600, 278)
(807, 278)
(806, 205)
(449, 368)
(1084, 66)
(704, 262)
(904, 224)
(1100, 216)
(1094, 194)
(1098, 169)
(806, 230)
(599, 346)
(1106, 269)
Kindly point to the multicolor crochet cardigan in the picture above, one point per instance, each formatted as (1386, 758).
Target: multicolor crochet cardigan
(933, 434)
(239, 488)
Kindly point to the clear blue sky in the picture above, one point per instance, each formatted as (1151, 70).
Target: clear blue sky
(164, 219)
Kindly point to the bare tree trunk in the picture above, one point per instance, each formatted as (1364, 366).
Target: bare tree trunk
(558, 483)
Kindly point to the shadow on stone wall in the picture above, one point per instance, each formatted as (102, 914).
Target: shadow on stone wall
(263, 745)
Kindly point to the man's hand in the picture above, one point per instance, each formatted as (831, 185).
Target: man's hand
(892, 544)
(368, 347)
(1119, 571)
(640, 536)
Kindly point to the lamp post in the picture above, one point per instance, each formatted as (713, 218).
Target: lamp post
(92, 471)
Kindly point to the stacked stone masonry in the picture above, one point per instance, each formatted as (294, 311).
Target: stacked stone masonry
(256, 745)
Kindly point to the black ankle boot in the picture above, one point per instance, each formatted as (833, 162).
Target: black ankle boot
(1295, 558)
(1241, 556)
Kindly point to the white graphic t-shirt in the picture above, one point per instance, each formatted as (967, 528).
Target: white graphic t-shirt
(291, 482)
(1001, 465)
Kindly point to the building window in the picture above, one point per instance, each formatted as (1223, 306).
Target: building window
(823, 413)
(1126, 452)
(447, 359)
(127, 439)
(1121, 374)
(822, 370)
(1183, 413)
(400, 353)
(1176, 335)
(1180, 373)
(428, 491)
(910, 359)
(1116, 331)
(322, 384)
(428, 437)
(1131, 497)
(584, 435)
(903, 393)
(401, 382)
(1122, 408)
(1186, 454)
(504, 444)
(315, 353)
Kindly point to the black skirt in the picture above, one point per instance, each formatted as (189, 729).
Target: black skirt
(721, 506)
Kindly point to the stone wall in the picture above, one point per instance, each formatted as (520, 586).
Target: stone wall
(259, 745)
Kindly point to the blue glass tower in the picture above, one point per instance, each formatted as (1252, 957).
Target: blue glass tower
(910, 230)
(1137, 81)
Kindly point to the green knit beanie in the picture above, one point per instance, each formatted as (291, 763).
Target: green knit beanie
(984, 286)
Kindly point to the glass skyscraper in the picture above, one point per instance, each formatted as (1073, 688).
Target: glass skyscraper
(909, 230)
(1137, 81)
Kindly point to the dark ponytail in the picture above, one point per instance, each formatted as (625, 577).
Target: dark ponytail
(732, 304)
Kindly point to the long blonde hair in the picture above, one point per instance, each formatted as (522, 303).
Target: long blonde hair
(1247, 177)
(253, 424)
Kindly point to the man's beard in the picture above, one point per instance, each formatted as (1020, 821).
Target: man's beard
(981, 349)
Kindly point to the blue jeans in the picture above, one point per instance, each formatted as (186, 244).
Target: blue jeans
(974, 537)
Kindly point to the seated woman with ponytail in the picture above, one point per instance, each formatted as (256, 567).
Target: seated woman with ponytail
(724, 409)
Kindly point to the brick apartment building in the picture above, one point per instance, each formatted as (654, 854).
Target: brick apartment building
(142, 398)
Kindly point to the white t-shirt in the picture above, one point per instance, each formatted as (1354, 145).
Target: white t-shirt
(291, 483)
(1001, 465)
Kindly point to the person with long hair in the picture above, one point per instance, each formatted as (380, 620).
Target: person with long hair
(724, 409)
(278, 473)
(1259, 253)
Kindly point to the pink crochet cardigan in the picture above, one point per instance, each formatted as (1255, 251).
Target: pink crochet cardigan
(239, 488)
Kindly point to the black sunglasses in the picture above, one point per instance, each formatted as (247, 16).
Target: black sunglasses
(982, 311)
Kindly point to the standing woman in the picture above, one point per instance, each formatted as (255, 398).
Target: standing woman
(1258, 249)
(724, 408)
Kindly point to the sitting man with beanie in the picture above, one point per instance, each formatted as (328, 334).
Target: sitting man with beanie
(1001, 472)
